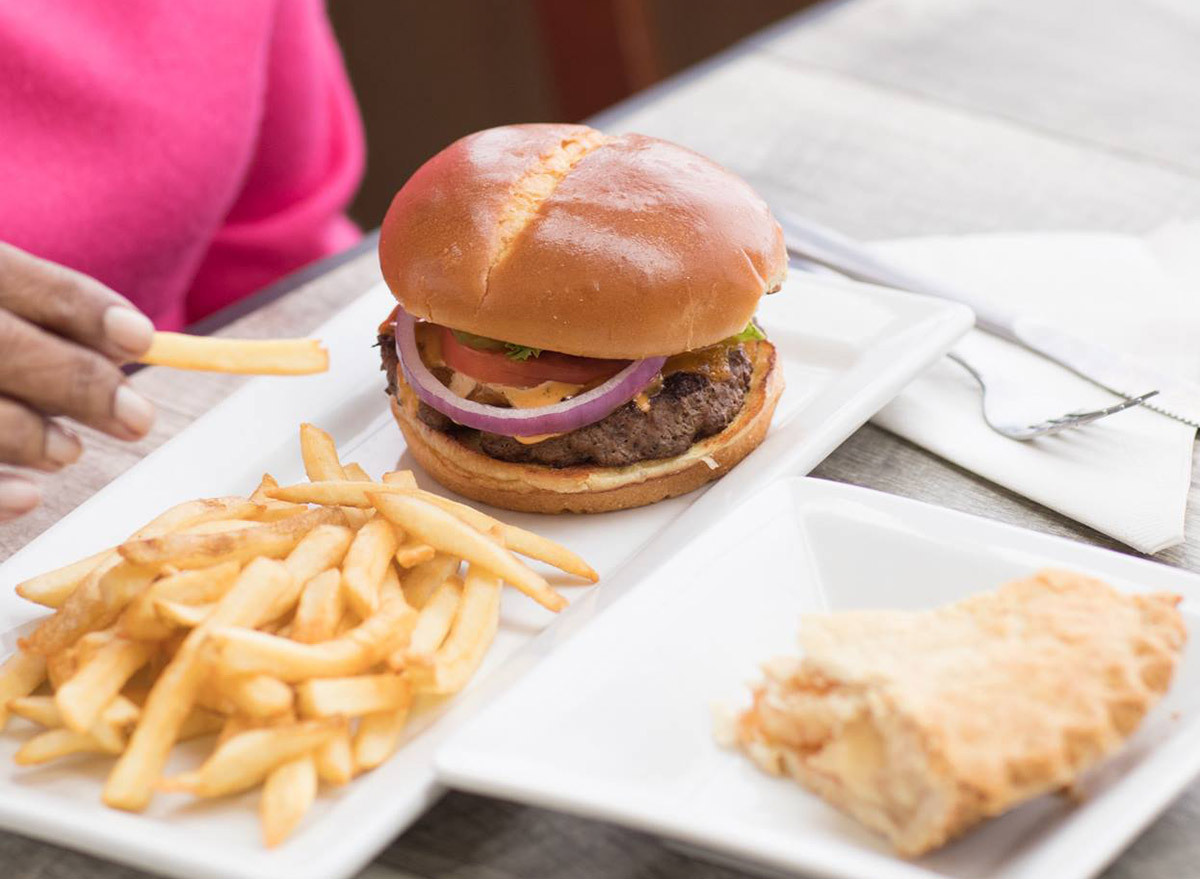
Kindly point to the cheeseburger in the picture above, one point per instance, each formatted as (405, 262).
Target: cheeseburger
(575, 328)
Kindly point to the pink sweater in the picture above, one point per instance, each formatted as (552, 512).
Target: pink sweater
(184, 152)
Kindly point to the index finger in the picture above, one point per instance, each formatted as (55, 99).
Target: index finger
(72, 305)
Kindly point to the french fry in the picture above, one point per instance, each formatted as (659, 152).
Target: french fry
(323, 548)
(257, 696)
(355, 494)
(320, 608)
(352, 696)
(421, 581)
(52, 588)
(400, 478)
(288, 793)
(366, 561)
(131, 784)
(200, 723)
(41, 710)
(21, 674)
(356, 472)
(183, 551)
(177, 615)
(378, 735)
(451, 535)
(335, 759)
(94, 604)
(237, 356)
(245, 651)
(390, 586)
(320, 455)
(413, 552)
(245, 760)
(106, 736)
(83, 697)
(271, 508)
(62, 742)
(469, 638)
(141, 619)
(433, 624)
(220, 526)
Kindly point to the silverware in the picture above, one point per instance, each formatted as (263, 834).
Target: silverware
(1117, 373)
(999, 400)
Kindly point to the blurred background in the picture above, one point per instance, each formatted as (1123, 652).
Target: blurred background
(427, 73)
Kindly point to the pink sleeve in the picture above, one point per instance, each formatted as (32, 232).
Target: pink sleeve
(185, 153)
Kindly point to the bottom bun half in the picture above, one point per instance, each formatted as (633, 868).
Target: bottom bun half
(536, 488)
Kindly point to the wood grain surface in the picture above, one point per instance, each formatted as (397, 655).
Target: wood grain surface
(884, 118)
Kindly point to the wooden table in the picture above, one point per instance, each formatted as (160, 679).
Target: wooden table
(883, 118)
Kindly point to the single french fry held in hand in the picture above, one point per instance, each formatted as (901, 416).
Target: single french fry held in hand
(352, 696)
(244, 761)
(245, 651)
(473, 631)
(52, 588)
(368, 558)
(450, 535)
(433, 624)
(288, 793)
(237, 356)
(83, 697)
(131, 784)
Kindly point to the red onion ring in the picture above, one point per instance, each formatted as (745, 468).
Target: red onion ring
(562, 417)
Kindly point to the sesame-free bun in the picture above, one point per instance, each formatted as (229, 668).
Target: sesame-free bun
(535, 488)
(558, 237)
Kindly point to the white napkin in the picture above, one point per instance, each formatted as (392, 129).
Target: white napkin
(1127, 476)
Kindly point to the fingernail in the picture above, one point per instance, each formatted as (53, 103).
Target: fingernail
(62, 446)
(129, 330)
(133, 410)
(17, 496)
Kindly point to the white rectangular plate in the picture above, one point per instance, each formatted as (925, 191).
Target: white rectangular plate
(846, 350)
(640, 685)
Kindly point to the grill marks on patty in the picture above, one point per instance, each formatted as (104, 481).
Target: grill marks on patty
(689, 407)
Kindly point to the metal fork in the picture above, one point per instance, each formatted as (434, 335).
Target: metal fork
(997, 396)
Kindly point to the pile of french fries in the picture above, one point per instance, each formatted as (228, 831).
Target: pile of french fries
(296, 625)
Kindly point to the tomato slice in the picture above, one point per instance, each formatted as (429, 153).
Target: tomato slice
(498, 368)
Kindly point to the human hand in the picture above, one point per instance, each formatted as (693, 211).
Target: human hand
(63, 337)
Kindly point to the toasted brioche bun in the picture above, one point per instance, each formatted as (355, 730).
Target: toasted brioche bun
(536, 488)
(558, 237)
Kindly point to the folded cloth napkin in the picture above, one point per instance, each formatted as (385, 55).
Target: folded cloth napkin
(1127, 476)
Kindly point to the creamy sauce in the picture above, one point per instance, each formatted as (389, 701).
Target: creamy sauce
(545, 394)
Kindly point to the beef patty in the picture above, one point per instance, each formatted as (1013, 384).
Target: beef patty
(689, 407)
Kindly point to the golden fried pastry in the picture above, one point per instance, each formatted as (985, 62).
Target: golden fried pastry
(920, 725)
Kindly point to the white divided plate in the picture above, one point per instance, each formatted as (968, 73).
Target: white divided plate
(619, 724)
(846, 350)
